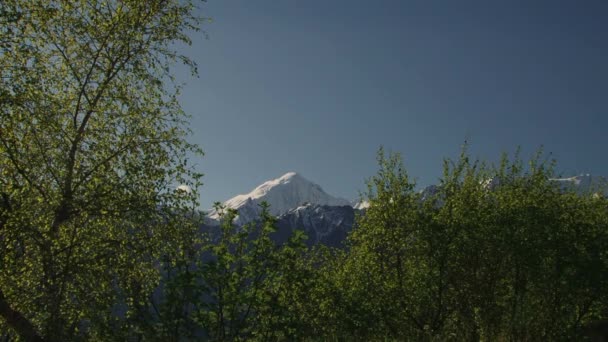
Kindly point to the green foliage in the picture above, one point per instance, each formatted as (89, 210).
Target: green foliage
(243, 260)
(91, 147)
(95, 243)
(514, 259)
(240, 286)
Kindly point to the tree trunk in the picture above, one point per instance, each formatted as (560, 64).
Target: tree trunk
(18, 322)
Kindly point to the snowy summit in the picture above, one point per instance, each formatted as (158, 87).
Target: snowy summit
(284, 193)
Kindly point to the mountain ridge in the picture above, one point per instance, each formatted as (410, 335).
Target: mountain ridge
(301, 204)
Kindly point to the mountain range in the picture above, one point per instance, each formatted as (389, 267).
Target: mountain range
(301, 204)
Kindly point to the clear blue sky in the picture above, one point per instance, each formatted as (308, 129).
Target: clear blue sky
(317, 86)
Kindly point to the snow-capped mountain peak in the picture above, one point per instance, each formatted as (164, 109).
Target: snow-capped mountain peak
(284, 193)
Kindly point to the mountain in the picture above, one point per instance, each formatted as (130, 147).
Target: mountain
(301, 204)
(283, 194)
(583, 183)
(324, 224)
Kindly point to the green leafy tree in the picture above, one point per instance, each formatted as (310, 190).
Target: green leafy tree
(494, 253)
(288, 295)
(242, 260)
(92, 144)
(241, 285)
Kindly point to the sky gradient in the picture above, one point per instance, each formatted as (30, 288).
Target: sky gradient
(317, 86)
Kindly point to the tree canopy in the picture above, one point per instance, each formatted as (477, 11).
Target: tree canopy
(492, 253)
(100, 239)
(92, 146)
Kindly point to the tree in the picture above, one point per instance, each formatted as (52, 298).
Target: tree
(240, 285)
(494, 253)
(92, 144)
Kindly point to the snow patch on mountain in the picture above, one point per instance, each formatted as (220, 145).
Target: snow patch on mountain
(583, 184)
(584, 180)
(360, 205)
